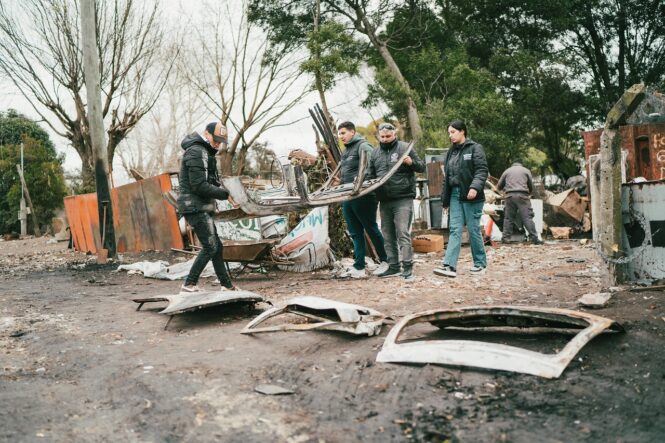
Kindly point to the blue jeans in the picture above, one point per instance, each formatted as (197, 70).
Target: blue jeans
(360, 216)
(396, 218)
(464, 213)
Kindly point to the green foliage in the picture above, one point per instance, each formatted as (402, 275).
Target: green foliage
(534, 159)
(43, 171)
(333, 52)
(525, 74)
(287, 22)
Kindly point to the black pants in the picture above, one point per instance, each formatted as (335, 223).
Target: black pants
(519, 205)
(205, 230)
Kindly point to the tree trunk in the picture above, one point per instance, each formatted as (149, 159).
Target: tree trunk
(87, 172)
(225, 163)
(413, 117)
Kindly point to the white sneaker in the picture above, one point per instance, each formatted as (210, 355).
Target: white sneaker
(190, 289)
(383, 267)
(353, 273)
(231, 289)
(446, 271)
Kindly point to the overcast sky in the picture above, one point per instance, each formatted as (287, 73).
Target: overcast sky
(344, 101)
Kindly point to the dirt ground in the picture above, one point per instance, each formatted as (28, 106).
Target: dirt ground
(79, 363)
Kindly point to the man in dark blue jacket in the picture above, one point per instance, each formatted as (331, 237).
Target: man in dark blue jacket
(360, 213)
(199, 188)
(396, 199)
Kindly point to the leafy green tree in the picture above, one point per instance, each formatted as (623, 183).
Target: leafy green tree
(519, 43)
(362, 18)
(613, 44)
(448, 84)
(42, 171)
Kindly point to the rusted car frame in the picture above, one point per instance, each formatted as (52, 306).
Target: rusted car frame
(326, 314)
(493, 355)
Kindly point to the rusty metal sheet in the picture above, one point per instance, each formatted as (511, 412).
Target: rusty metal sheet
(493, 355)
(133, 227)
(83, 220)
(162, 233)
(327, 315)
(644, 145)
(179, 303)
(142, 219)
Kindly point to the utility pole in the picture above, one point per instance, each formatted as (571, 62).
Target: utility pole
(96, 125)
(26, 194)
(23, 211)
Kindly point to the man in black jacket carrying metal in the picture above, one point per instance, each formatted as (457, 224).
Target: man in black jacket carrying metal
(396, 199)
(199, 188)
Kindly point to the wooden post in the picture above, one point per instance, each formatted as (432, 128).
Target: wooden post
(610, 223)
(27, 197)
(96, 124)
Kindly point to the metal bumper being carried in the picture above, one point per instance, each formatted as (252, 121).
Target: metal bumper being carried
(297, 197)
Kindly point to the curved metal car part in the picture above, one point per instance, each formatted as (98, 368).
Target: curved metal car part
(328, 315)
(493, 355)
(180, 303)
(324, 196)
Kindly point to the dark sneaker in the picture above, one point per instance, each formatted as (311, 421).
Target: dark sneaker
(407, 273)
(477, 270)
(446, 271)
(390, 272)
(536, 241)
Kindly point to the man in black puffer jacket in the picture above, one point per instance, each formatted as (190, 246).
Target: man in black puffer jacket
(199, 188)
(395, 198)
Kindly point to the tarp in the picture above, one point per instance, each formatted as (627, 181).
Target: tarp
(308, 244)
(162, 271)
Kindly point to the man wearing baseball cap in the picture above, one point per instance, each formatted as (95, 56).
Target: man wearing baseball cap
(199, 188)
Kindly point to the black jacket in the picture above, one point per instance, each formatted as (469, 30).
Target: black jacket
(402, 184)
(351, 158)
(199, 183)
(473, 172)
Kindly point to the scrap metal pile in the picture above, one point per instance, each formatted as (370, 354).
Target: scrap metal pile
(320, 314)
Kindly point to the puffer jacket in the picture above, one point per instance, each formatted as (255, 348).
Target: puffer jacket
(351, 158)
(473, 172)
(199, 182)
(402, 184)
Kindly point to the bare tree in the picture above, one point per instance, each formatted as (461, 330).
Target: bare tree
(154, 147)
(242, 78)
(40, 52)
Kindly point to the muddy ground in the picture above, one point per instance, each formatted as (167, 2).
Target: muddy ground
(79, 363)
